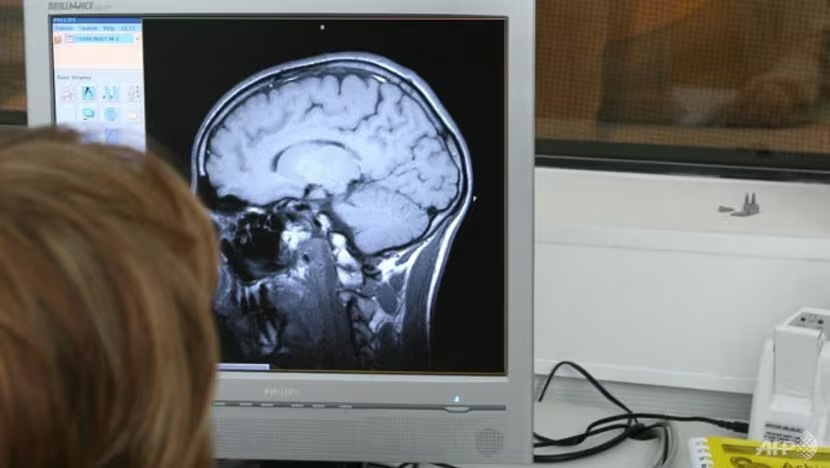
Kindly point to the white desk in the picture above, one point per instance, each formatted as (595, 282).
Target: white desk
(561, 419)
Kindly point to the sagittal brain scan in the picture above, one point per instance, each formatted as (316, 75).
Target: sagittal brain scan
(337, 184)
(355, 172)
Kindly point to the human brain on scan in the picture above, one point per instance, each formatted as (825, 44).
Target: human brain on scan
(337, 185)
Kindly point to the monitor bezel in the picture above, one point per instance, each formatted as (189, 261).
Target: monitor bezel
(514, 390)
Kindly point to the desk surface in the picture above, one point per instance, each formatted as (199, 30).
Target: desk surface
(561, 419)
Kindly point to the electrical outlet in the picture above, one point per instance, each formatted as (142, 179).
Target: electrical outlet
(815, 319)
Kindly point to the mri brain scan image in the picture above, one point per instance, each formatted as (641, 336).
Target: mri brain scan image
(337, 184)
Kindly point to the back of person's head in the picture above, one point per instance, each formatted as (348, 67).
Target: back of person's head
(107, 345)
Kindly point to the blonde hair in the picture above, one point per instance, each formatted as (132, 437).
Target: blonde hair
(107, 343)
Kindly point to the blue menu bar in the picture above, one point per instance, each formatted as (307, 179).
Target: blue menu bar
(97, 28)
(95, 20)
(95, 24)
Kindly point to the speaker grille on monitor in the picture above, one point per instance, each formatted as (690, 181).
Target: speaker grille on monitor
(489, 442)
(327, 435)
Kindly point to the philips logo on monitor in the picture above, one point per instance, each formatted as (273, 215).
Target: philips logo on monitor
(281, 392)
(71, 5)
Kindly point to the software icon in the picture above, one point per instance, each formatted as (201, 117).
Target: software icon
(132, 114)
(88, 93)
(110, 94)
(112, 136)
(111, 114)
(68, 94)
(134, 93)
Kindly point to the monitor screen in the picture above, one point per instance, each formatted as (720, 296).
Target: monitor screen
(354, 168)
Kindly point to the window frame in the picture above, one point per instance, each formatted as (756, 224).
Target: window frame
(648, 158)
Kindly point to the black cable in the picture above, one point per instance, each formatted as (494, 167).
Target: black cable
(636, 431)
(597, 385)
(664, 425)
(576, 439)
(628, 429)
(632, 429)
(587, 375)
(734, 426)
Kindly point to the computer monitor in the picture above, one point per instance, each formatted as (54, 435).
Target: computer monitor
(368, 165)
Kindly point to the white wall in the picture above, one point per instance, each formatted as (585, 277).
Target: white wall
(641, 279)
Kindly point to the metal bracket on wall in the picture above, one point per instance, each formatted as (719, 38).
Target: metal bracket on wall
(750, 207)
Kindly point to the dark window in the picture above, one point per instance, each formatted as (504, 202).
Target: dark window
(684, 84)
(12, 70)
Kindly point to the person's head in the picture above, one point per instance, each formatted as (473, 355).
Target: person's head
(107, 345)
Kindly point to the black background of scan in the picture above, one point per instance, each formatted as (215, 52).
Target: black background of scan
(191, 63)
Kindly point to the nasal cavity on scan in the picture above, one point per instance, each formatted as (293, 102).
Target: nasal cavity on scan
(326, 165)
(253, 244)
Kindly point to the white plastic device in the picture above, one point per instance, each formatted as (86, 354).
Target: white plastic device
(792, 392)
